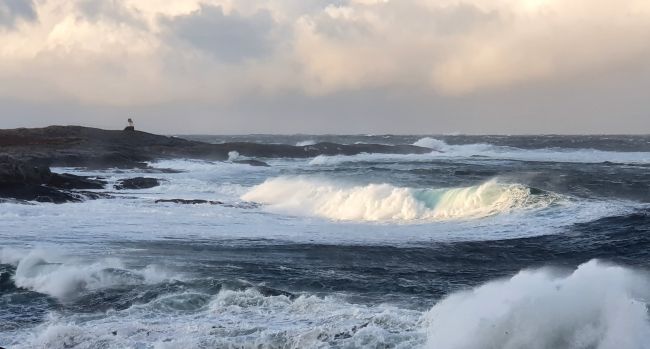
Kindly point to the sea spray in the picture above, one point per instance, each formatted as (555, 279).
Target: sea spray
(64, 277)
(596, 306)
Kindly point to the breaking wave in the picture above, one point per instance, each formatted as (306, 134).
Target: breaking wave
(305, 143)
(63, 277)
(545, 154)
(596, 306)
(385, 202)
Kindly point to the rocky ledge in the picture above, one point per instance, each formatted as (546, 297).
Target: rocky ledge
(27, 181)
(27, 153)
(137, 183)
(77, 146)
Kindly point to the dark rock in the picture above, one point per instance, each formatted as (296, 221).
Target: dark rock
(245, 205)
(188, 202)
(70, 181)
(13, 171)
(35, 192)
(137, 183)
(76, 146)
(352, 332)
(129, 128)
(536, 191)
(242, 205)
(161, 170)
(27, 181)
(92, 195)
(252, 162)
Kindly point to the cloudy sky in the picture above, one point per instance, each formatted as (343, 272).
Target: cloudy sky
(319, 66)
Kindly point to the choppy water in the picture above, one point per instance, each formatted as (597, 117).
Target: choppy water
(487, 242)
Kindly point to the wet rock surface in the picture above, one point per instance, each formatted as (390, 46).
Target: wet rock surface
(243, 205)
(188, 202)
(137, 183)
(252, 163)
(31, 181)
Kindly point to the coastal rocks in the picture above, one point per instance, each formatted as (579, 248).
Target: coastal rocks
(188, 202)
(137, 183)
(251, 162)
(27, 181)
(35, 192)
(76, 146)
(242, 205)
(13, 171)
(69, 181)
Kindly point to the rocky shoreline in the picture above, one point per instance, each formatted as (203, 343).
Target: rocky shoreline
(26, 155)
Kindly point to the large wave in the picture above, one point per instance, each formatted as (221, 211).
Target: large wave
(596, 306)
(385, 202)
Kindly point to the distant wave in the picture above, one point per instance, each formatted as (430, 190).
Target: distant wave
(384, 202)
(305, 143)
(596, 306)
(441, 150)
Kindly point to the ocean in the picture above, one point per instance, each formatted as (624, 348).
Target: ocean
(486, 242)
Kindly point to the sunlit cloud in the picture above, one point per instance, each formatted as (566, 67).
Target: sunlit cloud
(219, 52)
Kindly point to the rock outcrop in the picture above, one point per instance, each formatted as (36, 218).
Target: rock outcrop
(28, 181)
(188, 202)
(76, 146)
(137, 183)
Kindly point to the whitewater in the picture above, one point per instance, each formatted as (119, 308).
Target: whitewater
(483, 242)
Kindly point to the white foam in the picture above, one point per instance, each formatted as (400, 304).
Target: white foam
(233, 155)
(431, 143)
(384, 202)
(596, 306)
(305, 143)
(233, 319)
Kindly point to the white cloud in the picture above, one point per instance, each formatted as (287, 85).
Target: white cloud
(143, 52)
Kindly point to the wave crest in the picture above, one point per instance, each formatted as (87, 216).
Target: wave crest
(384, 202)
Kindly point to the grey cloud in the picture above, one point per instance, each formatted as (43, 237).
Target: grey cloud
(445, 20)
(13, 10)
(461, 18)
(115, 10)
(230, 38)
(609, 103)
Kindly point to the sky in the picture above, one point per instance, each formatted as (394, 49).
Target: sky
(319, 66)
